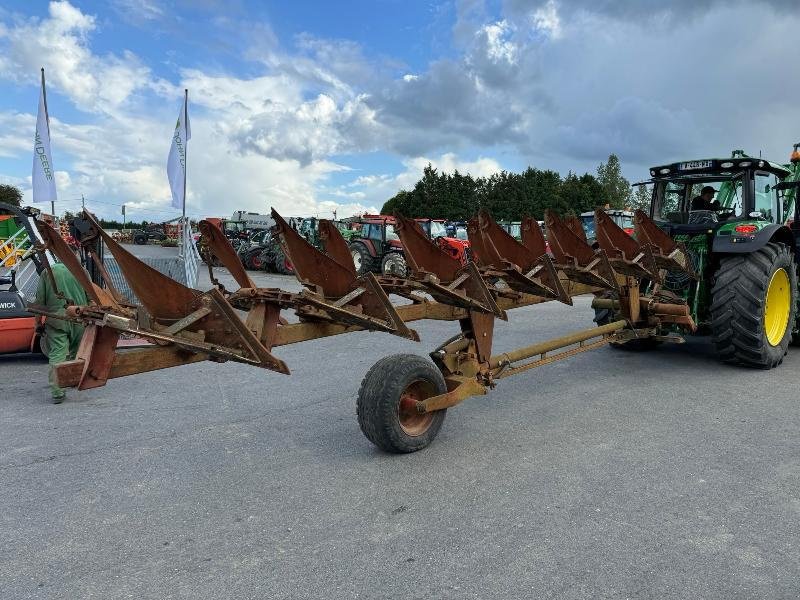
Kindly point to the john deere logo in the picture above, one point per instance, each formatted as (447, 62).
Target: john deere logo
(38, 147)
(179, 144)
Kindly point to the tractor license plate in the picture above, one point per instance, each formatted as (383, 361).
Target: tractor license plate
(696, 164)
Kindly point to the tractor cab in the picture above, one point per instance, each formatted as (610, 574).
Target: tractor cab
(623, 218)
(742, 195)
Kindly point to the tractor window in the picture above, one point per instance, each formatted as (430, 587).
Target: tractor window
(671, 208)
(461, 233)
(588, 226)
(624, 220)
(730, 194)
(766, 200)
(390, 233)
(437, 229)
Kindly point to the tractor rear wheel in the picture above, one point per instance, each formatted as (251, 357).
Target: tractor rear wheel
(386, 406)
(753, 306)
(282, 263)
(255, 260)
(394, 263)
(363, 261)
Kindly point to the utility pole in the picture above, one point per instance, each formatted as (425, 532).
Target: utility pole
(83, 203)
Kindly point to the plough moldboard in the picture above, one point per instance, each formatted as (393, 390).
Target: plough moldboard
(403, 398)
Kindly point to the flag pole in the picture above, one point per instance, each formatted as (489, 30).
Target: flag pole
(185, 146)
(182, 228)
(46, 113)
(47, 122)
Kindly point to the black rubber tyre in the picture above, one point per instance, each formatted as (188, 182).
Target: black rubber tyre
(362, 259)
(282, 263)
(394, 263)
(140, 240)
(604, 316)
(739, 302)
(255, 260)
(796, 336)
(386, 401)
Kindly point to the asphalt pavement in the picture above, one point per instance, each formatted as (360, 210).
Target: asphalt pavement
(612, 474)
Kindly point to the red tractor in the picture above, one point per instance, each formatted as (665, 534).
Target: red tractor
(376, 246)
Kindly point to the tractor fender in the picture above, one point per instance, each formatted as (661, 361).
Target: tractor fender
(770, 233)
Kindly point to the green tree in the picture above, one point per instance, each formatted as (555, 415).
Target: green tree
(582, 194)
(10, 194)
(507, 196)
(641, 198)
(617, 188)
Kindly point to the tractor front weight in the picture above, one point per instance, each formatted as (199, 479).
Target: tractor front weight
(403, 398)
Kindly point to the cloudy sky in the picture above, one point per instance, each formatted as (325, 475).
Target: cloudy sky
(309, 106)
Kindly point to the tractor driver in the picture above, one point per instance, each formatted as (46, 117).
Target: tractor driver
(705, 201)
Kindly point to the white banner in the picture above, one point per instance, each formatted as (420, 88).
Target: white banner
(176, 163)
(43, 175)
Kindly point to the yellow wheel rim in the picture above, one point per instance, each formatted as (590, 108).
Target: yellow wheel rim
(777, 307)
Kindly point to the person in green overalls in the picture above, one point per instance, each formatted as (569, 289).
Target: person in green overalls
(61, 338)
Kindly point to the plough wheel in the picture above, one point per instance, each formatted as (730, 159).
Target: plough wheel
(754, 305)
(387, 400)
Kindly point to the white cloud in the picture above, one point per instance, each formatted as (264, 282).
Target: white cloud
(60, 43)
(498, 45)
(16, 133)
(546, 19)
(257, 142)
(557, 83)
(139, 10)
(377, 189)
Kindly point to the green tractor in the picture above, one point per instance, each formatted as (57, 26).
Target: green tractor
(737, 221)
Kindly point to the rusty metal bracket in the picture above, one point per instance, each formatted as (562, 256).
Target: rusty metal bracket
(313, 268)
(216, 241)
(335, 245)
(390, 322)
(56, 244)
(520, 267)
(576, 258)
(625, 254)
(533, 236)
(422, 255)
(667, 253)
(163, 297)
(463, 388)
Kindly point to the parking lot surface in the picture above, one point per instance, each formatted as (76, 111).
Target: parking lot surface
(612, 474)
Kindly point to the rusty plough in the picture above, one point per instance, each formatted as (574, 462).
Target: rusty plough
(403, 398)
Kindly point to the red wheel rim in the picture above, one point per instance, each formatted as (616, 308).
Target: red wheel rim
(256, 262)
(412, 422)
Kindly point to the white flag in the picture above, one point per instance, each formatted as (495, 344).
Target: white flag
(43, 176)
(176, 163)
